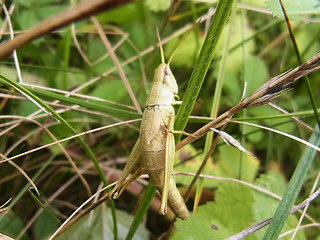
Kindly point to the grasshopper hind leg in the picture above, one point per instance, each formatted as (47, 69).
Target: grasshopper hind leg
(169, 160)
(133, 177)
(176, 201)
(133, 161)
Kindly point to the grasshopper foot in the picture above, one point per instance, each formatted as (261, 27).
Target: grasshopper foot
(114, 193)
(163, 208)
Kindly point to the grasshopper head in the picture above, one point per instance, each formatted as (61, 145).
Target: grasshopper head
(164, 75)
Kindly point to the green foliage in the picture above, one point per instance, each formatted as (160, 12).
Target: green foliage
(294, 7)
(158, 5)
(11, 224)
(98, 225)
(184, 57)
(257, 50)
(294, 187)
(203, 62)
(235, 208)
(229, 162)
(44, 225)
(32, 12)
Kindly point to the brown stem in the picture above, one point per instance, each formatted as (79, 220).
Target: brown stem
(263, 95)
(81, 10)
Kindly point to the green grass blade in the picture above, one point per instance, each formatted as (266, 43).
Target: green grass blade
(36, 100)
(205, 57)
(114, 110)
(143, 207)
(297, 52)
(293, 190)
(214, 111)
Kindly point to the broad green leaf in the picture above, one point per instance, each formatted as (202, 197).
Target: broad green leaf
(256, 73)
(226, 164)
(296, 7)
(235, 208)
(184, 57)
(158, 5)
(264, 206)
(232, 88)
(11, 225)
(230, 164)
(122, 15)
(112, 90)
(98, 225)
(293, 189)
(69, 80)
(45, 224)
(228, 214)
(187, 160)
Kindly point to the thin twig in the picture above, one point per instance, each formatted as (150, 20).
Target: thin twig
(116, 63)
(79, 11)
(263, 95)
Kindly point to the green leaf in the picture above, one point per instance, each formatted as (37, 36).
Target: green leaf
(296, 7)
(184, 57)
(11, 225)
(235, 208)
(264, 205)
(217, 220)
(158, 5)
(230, 163)
(227, 164)
(187, 160)
(150, 191)
(98, 225)
(256, 73)
(112, 90)
(44, 225)
(293, 190)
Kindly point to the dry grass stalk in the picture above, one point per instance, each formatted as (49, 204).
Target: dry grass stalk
(263, 95)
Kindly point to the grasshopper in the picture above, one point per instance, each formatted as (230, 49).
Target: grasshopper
(155, 148)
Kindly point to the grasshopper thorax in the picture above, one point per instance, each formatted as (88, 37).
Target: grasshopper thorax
(164, 87)
(164, 75)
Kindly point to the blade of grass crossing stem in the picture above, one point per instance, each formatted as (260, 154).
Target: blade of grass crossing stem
(36, 100)
(293, 190)
(214, 110)
(203, 62)
(143, 207)
(25, 188)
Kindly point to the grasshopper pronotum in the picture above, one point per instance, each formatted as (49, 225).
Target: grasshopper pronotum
(155, 148)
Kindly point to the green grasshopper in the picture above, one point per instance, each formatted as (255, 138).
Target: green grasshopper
(155, 148)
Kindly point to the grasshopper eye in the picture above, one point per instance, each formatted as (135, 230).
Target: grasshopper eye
(169, 80)
(166, 72)
(167, 77)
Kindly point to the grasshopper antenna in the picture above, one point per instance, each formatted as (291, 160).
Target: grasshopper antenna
(182, 40)
(160, 45)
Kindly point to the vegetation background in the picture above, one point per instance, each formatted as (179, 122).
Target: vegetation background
(71, 70)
